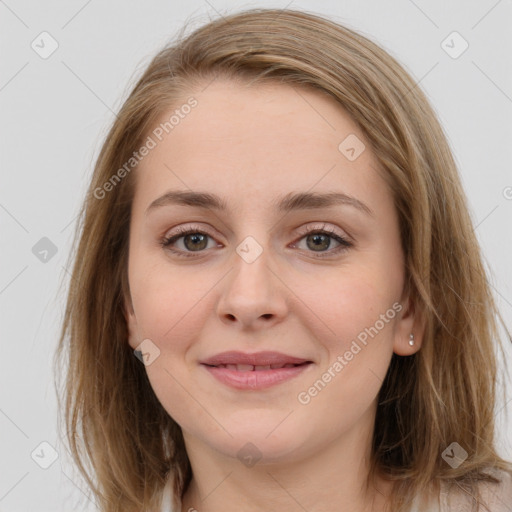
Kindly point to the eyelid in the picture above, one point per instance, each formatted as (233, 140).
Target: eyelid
(169, 233)
(343, 239)
(319, 226)
(180, 232)
(325, 227)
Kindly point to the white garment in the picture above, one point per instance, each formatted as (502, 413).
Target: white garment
(167, 499)
(497, 497)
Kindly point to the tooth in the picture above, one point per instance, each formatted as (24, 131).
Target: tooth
(274, 366)
(289, 365)
(262, 367)
(230, 366)
(244, 367)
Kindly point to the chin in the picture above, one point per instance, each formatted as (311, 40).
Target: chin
(263, 443)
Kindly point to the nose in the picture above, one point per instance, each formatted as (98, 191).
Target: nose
(252, 297)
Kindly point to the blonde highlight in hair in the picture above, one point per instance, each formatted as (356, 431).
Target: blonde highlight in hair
(444, 393)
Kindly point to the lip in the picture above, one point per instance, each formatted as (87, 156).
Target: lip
(255, 358)
(254, 379)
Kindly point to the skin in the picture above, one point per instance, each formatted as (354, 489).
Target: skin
(250, 145)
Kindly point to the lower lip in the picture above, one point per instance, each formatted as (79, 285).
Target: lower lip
(255, 379)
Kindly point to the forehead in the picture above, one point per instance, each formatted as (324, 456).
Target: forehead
(248, 142)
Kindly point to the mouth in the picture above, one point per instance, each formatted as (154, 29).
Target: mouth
(254, 371)
(257, 360)
(252, 368)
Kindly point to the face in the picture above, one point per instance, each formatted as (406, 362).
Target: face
(316, 280)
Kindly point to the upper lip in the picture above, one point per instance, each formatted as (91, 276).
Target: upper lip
(255, 359)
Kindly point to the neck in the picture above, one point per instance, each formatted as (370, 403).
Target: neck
(333, 477)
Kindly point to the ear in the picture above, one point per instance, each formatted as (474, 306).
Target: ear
(131, 323)
(411, 321)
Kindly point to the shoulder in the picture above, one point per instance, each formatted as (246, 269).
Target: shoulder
(497, 497)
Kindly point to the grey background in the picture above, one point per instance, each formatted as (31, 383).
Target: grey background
(55, 113)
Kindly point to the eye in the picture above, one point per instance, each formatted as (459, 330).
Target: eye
(194, 240)
(321, 239)
(318, 240)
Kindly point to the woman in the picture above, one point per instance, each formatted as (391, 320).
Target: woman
(277, 230)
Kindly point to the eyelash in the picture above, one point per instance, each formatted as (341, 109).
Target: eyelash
(183, 231)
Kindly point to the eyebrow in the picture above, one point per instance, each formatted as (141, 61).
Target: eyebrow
(289, 202)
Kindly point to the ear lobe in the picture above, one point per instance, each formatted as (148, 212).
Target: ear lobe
(131, 324)
(410, 322)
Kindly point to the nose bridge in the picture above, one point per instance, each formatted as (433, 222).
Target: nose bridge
(252, 292)
(251, 277)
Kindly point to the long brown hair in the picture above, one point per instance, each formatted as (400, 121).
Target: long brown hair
(115, 425)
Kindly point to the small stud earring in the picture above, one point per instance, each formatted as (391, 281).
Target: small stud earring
(411, 339)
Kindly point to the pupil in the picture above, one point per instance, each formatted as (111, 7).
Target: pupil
(318, 238)
(195, 237)
(198, 241)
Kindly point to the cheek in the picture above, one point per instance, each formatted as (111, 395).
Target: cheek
(358, 354)
(166, 299)
(356, 315)
(349, 299)
(170, 309)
